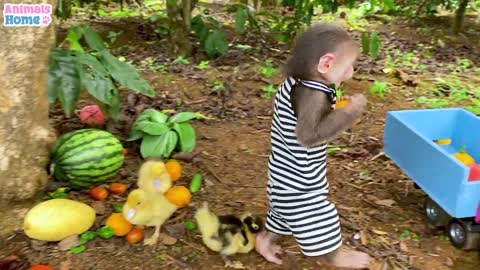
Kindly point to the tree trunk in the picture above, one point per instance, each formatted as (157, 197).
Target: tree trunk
(179, 14)
(459, 16)
(25, 133)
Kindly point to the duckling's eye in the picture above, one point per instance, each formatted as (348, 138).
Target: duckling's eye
(255, 226)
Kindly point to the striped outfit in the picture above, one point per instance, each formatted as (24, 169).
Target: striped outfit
(297, 184)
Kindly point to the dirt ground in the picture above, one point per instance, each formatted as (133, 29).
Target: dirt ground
(234, 149)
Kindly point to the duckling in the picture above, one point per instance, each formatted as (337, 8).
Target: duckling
(150, 209)
(153, 177)
(229, 234)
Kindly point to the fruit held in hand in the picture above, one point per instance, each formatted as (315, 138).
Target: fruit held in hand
(341, 103)
(179, 195)
(174, 169)
(119, 224)
(92, 115)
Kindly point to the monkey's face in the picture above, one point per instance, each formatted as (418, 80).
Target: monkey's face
(338, 67)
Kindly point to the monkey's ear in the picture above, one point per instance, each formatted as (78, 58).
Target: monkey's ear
(325, 63)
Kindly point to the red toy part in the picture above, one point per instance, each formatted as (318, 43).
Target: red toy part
(92, 115)
(474, 173)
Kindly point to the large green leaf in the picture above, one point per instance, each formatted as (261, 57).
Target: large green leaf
(73, 37)
(135, 135)
(240, 21)
(158, 146)
(186, 135)
(216, 44)
(182, 117)
(152, 128)
(126, 74)
(93, 39)
(96, 79)
(63, 79)
(112, 108)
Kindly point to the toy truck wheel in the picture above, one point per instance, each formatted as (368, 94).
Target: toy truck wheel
(436, 216)
(461, 238)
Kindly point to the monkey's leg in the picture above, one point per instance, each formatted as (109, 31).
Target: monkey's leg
(153, 240)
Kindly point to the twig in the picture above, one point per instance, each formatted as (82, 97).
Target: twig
(377, 156)
(200, 248)
(227, 183)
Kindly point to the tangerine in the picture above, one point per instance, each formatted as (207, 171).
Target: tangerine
(179, 195)
(174, 169)
(119, 224)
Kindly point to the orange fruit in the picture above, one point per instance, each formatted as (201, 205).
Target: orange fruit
(98, 193)
(118, 188)
(174, 169)
(341, 103)
(119, 224)
(179, 195)
(135, 236)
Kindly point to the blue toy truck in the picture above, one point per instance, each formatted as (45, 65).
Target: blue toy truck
(453, 200)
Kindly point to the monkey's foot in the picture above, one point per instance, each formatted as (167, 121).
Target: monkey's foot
(265, 247)
(234, 264)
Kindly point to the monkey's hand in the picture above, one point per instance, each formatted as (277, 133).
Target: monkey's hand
(356, 105)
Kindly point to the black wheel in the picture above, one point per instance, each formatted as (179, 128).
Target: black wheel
(436, 216)
(462, 238)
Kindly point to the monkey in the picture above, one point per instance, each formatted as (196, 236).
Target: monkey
(304, 121)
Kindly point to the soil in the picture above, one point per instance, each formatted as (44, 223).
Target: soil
(374, 198)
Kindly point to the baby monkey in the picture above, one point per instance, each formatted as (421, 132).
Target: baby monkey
(304, 120)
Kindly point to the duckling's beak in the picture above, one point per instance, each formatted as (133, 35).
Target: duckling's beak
(157, 183)
(131, 213)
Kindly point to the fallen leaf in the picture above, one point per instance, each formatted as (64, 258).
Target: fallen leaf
(407, 79)
(167, 239)
(176, 230)
(99, 207)
(65, 265)
(386, 202)
(379, 232)
(449, 262)
(403, 247)
(363, 238)
(69, 242)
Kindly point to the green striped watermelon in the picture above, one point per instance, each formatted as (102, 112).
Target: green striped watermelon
(86, 157)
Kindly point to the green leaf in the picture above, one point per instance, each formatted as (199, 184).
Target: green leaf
(158, 117)
(126, 74)
(113, 108)
(375, 45)
(240, 21)
(87, 236)
(105, 232)
(216, 44)
(186, 135)
(158, 146)
(63, 79)
(152, 128)
(96, 79)
(189, 225)
(74, 35)
(93, 39)
(388, 5)
(134, 135)
(350, 3)
(78, 249)
(118, 207)
(182, 117)
(365, 43)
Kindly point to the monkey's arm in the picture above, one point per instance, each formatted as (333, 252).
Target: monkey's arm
(317, 123)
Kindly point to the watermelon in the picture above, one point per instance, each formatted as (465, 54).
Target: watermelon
(86, 157)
